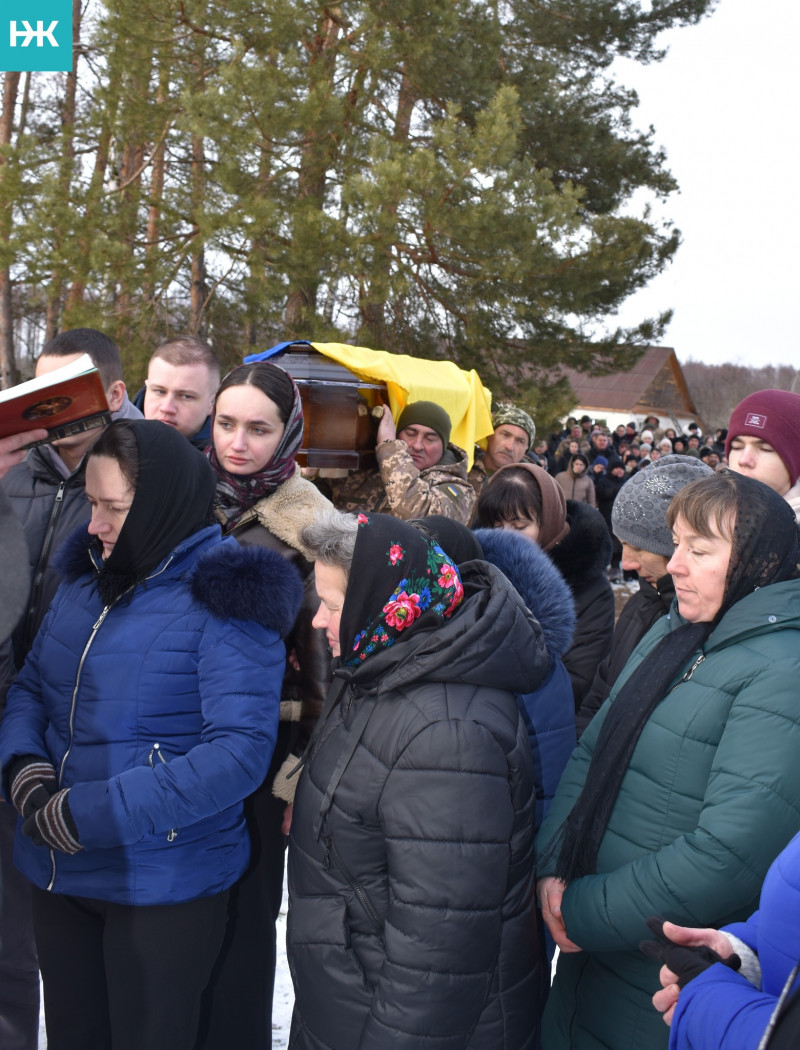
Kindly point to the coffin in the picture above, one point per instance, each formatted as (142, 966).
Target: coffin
(340, 429)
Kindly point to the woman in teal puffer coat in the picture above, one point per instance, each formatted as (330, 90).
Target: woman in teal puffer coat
(686, 785)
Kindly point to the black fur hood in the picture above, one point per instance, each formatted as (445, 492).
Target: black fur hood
(232, 582)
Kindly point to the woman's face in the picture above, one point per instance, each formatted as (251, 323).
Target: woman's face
(574, 448)
(110, 497)
(699, 568)
(578, 466)
(331, 583)
(526, 527)
(247, 429)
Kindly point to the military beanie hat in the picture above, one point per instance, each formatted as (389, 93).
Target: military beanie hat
(517, 417)
(426, 414)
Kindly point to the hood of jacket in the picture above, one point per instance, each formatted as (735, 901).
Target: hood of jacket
(583, 554)
(537, 580)
(493, 640)
(232, 582)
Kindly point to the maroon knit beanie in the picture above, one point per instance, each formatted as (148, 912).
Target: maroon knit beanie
(773, 416)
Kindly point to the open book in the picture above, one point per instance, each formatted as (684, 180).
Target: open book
(69, 400)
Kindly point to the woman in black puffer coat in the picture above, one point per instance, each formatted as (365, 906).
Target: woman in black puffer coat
(410, 856)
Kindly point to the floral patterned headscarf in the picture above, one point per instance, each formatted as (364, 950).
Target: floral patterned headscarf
(400, 580)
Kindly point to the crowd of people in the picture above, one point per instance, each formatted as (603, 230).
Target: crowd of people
(413, 676)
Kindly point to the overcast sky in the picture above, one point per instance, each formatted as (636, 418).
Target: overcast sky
(724, 103)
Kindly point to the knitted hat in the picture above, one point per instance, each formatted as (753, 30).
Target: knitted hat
(601, 460)
(426, 414)
(646, 435)
(639, 514)
(773, 416)
(508, 413)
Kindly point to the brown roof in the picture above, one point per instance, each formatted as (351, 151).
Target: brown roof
(654, 381)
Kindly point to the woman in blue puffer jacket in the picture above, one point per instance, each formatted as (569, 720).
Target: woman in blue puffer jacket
(145, 712)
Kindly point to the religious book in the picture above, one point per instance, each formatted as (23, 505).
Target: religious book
(66, 401)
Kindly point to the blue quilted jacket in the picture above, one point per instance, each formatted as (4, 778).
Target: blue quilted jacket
(159, 713)
(720, 1009)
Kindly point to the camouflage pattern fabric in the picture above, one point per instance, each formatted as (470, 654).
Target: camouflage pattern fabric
(398, 488)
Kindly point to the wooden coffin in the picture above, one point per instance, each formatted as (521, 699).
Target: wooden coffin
(340, 429)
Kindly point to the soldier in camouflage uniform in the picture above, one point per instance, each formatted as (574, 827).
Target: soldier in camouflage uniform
(419, 471)
(514, 433)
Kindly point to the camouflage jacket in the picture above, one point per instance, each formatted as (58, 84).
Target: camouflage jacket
(398, 488)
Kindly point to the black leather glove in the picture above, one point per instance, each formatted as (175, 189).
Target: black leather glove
(53, 826)
(685, 961)
(33, 783)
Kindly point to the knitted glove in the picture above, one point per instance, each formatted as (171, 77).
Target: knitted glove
(33, 782)
(53, 826)
(684, 960)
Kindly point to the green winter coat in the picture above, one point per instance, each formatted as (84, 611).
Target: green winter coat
(710, 798)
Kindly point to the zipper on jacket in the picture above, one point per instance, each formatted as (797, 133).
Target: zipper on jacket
(689, 674)
(172, 834)
(356, 887)
(95, 628)
(41, 565)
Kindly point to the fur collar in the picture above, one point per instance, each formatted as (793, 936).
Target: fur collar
(286, 511)
(538, 582)
(251, 583)
(582, 556)
(232, 582)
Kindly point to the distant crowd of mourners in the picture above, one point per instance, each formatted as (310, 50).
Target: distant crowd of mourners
(414, 676)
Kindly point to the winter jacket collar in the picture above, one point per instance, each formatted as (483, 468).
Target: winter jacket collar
(248, 583)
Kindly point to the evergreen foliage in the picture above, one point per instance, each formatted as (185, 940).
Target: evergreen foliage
(447, 178)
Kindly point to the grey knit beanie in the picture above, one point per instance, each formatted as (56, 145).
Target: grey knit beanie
(639, 514)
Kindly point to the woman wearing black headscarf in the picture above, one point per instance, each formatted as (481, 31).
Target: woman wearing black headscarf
(144, 714)
(686, 785)
(410, 858)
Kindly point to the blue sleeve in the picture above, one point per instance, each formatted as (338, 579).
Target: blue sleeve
(720, 1010)
(240, 670)
(549, 717)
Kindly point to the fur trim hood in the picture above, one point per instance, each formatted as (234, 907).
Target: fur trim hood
(286, 511)
(581, 557)
(232, 582)
(538, 582)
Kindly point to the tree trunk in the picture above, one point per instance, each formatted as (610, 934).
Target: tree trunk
(66, 167)
(8, 365)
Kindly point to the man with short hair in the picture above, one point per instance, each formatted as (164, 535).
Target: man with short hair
(419, 471)
(46, 494)
(182, 378)
(509, 443)
(763, 442)
(600, 445)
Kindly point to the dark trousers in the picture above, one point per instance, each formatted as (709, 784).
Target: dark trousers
(19, 971)
(237, 1005)
(119, 977)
